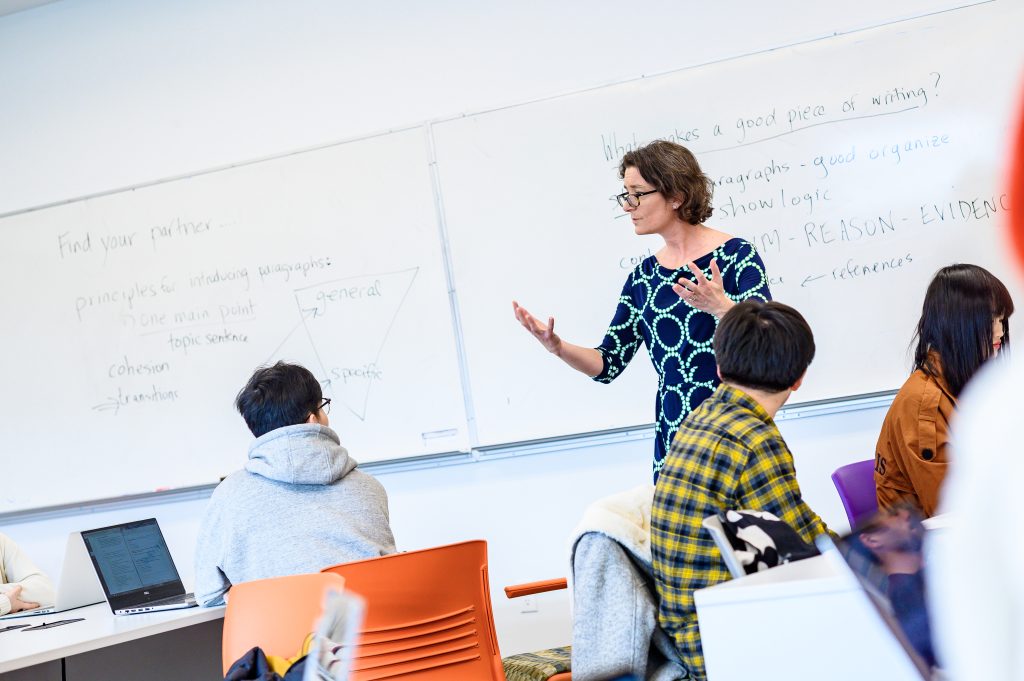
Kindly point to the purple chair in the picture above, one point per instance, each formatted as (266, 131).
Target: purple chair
(856, 485)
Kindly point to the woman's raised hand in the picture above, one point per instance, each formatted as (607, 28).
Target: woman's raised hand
(707, 295)
(545, 334)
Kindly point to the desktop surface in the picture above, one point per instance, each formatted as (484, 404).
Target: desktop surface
(99, 628)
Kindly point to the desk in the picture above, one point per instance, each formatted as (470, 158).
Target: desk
(175, 644)
(803, 620)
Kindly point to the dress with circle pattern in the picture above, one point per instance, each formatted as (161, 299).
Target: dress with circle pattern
(678, 336)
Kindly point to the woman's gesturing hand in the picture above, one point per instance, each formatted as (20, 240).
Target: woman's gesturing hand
(707, 295)
(545, 334)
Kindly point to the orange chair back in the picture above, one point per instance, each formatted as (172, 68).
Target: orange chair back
(275, 614)
(428, 615)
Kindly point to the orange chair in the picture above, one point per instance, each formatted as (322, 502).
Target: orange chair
(428, 615)
(275, 614)
(531, 588)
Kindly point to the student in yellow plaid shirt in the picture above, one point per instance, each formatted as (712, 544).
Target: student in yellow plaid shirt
(729, 454)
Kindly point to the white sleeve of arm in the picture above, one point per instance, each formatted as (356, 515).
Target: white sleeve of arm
(20, 570)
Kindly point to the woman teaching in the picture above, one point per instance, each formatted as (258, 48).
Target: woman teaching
(671, 301)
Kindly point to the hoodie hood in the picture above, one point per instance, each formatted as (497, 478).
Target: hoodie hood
(305, 454)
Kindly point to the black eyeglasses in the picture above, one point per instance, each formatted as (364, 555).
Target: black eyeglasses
(325, 406)
(632, 200)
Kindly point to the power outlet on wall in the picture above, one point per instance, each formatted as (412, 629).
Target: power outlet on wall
(528, 604)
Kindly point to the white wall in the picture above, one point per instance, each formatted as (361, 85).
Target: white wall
(96, 95)
(524, 506)
(101, 94)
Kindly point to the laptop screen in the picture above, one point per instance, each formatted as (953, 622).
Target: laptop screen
(132, 557)
(885, 554)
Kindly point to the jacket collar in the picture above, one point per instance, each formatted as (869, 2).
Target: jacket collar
(934, 372)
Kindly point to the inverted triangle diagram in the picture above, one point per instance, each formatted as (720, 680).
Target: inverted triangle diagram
(343, 329)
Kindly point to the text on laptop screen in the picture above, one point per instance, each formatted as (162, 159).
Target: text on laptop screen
(132, 557)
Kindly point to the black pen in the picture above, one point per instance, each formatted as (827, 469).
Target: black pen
(55, 623)
(13, 626)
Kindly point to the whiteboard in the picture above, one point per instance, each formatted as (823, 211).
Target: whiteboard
(857, 165)
(132, 320)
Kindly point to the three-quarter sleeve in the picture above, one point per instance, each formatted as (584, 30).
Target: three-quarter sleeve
(623, 336)
(747, 277)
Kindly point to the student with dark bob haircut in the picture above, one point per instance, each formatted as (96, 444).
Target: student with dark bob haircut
(671, 302)
(964, 322)
(729, 455)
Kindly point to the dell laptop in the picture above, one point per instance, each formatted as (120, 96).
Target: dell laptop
(78, 585)
(135, 568)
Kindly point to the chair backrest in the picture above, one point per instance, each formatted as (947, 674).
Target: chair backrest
(275, 614)
(714, 527)
(428, 615)
(855, 483)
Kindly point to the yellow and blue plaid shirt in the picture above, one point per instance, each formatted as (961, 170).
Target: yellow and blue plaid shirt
(727, 454)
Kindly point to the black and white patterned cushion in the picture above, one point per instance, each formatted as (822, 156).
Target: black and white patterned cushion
(761, 541)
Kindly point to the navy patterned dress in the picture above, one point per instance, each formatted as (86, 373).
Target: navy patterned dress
(678, 336)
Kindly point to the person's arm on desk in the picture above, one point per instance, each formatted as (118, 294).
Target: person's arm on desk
(211, 582)
(23, 586)
(10, 601)
(211, 586)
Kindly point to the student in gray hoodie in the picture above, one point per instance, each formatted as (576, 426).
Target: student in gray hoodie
(300, 504)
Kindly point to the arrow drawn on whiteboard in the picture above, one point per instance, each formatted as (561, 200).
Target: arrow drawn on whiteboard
(304, 314)
(347, 323)
(111, 404)
(809, 278)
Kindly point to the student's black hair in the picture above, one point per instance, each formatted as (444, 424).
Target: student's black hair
(278, 396)
(956, 322)
(764, 346)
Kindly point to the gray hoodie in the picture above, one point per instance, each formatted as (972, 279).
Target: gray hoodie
(615, 610)
(300, 505)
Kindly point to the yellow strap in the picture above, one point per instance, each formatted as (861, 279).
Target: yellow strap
(280, 665)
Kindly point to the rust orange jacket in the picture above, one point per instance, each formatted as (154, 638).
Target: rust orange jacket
(912, 451)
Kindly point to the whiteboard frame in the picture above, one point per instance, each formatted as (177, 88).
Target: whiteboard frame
(482, 455)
